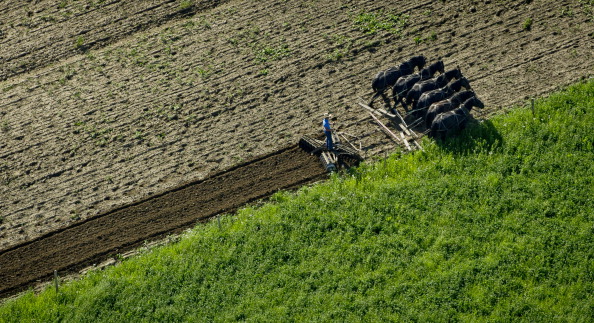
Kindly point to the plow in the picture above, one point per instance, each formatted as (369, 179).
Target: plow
(341, 156)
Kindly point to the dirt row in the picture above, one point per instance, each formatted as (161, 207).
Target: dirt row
(98, 238)
(172, 96)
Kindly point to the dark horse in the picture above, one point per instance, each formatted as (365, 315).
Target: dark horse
(428, 98)
(405, 83)
(386, 79)
(449, 122)
(431, 84)
(466, 98)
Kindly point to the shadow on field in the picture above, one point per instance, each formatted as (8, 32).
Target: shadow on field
(477, 136)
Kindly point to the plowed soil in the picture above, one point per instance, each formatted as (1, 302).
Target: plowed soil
(90, 241)
(107, 103)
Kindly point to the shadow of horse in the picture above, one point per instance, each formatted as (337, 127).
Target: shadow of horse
(477, 135)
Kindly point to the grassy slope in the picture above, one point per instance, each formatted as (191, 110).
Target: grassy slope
(495, 224)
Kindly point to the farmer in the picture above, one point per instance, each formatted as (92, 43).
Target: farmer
(328, 131)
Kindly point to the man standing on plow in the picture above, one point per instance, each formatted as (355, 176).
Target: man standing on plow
(328, 131)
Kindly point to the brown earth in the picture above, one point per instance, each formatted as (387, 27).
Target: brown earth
(106, 103)
(40, 33)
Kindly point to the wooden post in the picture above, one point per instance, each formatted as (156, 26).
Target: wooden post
(405, 141)
(407, 131)
(56, 280)
(403, 124)
(219, 221)
(405, 127)
(385, 129)
(418, 145)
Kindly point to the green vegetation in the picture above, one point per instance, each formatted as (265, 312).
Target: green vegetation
(138, 135)
(494, 225)
(186, 4)
(80, 41)
(430, 37)
(8, 87)
(272, 53)
(100, 136)
(527, 25)
(69, 72)
(373, 22)
(566, 12)
(337, 54)
(339, 46)
(588, 8)
(5, 126)
(262, 45)
(204, 72)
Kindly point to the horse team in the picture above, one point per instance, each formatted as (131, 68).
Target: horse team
(440, 99)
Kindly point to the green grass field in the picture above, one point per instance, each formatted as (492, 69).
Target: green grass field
(496, 224)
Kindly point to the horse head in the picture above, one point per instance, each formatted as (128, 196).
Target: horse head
(418, 61)
(456, 85)
(440, 67)
(453, 73)
(461, 97)
(464, 83)
(476, 102)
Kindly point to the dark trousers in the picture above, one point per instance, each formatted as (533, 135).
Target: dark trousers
(329, 140)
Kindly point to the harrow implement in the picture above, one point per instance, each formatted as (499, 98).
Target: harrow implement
(341, 156)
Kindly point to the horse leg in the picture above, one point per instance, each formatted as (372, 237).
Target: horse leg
(386, 101)
(401, 101)
(374, 97)
(412, 104)
(442, 135)
(442, 130)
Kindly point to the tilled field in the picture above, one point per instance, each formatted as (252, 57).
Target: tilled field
(90, 241)
(107, 103)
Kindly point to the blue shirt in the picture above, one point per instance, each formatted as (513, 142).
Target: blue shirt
(326, 124)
